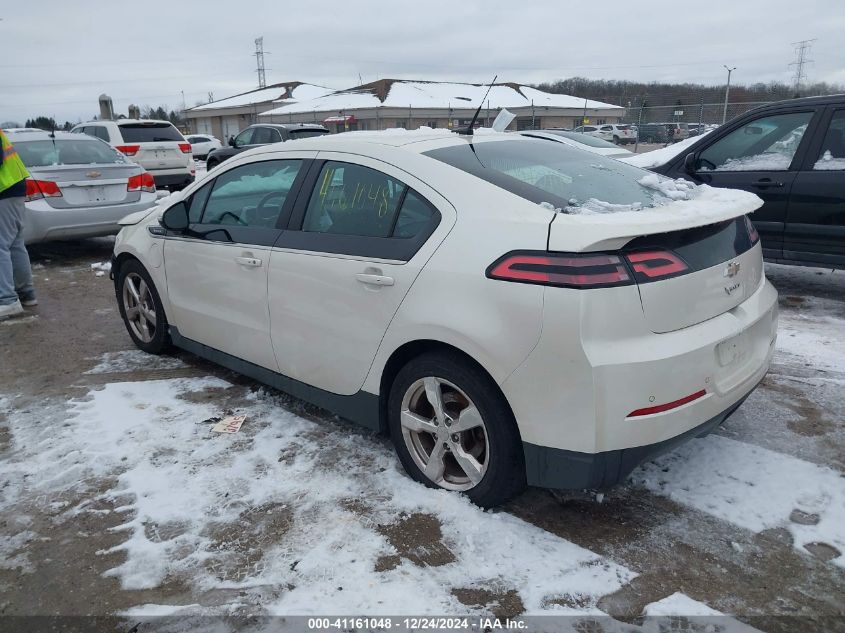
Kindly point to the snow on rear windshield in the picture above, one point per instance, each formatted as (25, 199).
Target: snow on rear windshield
(562, 177)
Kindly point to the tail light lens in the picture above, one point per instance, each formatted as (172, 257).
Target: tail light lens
(752, 231)
(656, 265)
(568, 270)
(129, 150)
(185, 147)
(36, 189)
(142, 182)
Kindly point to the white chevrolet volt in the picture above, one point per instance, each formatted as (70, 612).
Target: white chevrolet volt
(511, 311)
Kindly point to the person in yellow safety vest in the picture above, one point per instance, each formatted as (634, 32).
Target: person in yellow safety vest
(16, 289)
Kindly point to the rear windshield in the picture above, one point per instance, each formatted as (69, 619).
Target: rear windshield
(553, 173)
(149, 132)
(623, 127)
(81, 151)
(586, 139)
(306, 133)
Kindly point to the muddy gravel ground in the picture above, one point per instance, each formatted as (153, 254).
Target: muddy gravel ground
(68, 550)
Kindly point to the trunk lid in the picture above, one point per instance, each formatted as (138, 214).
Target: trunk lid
(692, 260)
(89, 185)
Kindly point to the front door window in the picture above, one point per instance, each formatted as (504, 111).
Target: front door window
(765, 144)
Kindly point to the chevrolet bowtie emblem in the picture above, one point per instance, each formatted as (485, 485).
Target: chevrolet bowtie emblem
(731, 270)
(93, 174)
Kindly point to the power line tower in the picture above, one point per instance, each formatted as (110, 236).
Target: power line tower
(802, 49)
(259, 60)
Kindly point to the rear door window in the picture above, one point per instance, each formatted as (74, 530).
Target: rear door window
(149, 132)
(261, 136)
(832, 154)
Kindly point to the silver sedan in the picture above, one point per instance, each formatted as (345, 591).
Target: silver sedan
(78, 186)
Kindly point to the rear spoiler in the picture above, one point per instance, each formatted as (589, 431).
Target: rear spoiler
(573, 233)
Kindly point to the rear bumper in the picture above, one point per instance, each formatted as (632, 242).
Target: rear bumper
(43, 224)
(558, 468)
(178, 178)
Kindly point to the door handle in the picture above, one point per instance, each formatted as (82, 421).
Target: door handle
(374, 280)
(251, 262)
(767, 182)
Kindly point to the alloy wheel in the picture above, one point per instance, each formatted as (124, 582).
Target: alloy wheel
(139, 307)
(444, 433)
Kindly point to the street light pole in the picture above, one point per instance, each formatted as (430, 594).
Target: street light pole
(727, 93)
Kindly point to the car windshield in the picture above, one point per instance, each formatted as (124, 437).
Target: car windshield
(553, 173)
(81, 151)
(149, 132)
(586, 139)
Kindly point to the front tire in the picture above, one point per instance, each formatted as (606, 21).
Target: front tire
(141, 308)
(452, 428)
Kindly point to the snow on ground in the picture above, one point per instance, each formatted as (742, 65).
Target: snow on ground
(706, 619)
(753, 488)
(323, 494)
(818, 340)
(133, 360)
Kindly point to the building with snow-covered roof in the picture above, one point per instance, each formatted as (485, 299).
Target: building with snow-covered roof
(226, 117)
(391, 103)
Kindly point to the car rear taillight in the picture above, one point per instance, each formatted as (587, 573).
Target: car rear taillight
(568, 270)
(753, 235)
(141, 182)
(36, 189)
(129, 150)
(655, 265)
(185, 147)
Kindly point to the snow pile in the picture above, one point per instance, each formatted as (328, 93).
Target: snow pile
(649, 160)
(753, 488)
(828, 163)
(663, 616)
(679, 189)
(770, 161)
(101, 268)
(291, 513)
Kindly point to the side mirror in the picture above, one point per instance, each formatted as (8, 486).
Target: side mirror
(690, 163)
(232, 142)
(175, 218)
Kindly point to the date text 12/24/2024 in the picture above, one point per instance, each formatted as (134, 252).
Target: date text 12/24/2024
(415, 624)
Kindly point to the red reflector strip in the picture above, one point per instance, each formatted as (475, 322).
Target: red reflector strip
(660, 408)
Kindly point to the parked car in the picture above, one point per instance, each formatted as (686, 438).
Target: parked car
(426, 286)
(263, 134)
(203, 144)
(78, 186)
(653, 133)
(581, 141)
(791, 154)
(678, 130)
(618, 133)
(155, 145)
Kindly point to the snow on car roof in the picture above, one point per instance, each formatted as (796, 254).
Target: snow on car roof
(42, 135)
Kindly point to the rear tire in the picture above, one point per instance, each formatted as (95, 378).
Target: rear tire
(615, 140)
(141, 308)
(473, 447)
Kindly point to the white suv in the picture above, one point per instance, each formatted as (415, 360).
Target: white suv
(155, 145)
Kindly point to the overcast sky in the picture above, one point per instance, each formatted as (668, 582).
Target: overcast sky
(58, 56)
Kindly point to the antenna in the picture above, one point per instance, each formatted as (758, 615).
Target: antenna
(468, 131)
(259, 61)
(801, 49)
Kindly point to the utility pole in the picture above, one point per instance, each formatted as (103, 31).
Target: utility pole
(802, 48)
(727, 93)
(259, 61)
